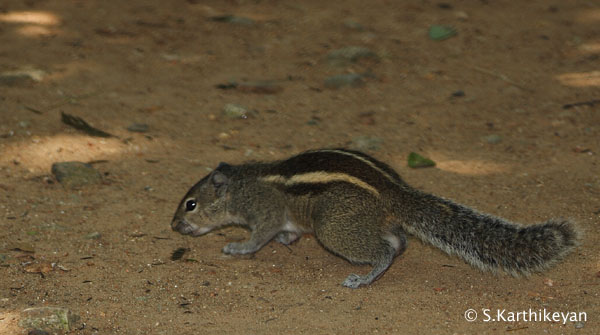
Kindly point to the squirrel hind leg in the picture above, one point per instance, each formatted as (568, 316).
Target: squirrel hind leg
(360, 234)
(380, 265)
(391, 246)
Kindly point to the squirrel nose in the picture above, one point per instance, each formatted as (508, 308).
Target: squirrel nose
(177, 224)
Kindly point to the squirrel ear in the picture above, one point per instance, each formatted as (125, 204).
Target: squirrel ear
(223, 166)
(219, 179)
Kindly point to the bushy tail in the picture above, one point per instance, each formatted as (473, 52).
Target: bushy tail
(484, 241)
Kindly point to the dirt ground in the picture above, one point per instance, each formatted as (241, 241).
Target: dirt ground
(506, 108)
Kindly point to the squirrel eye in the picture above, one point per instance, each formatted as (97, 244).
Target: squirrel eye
(190, 205)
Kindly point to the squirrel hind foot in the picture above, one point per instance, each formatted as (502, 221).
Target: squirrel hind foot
(355, 281)
(379, 267)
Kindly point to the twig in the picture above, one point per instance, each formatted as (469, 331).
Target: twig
(502, 77)
(589, 103)
(33, 110)
(79, 124)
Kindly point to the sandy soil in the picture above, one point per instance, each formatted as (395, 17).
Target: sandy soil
(519, 65)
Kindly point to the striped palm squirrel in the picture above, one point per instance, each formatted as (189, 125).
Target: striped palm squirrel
(360, 209)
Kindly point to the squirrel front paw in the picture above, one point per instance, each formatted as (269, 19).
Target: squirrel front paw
(286, 237)
(236, 248)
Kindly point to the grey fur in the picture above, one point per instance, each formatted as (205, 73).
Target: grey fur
(360, 209)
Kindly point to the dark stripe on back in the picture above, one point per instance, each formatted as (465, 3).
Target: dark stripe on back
(330, 161)
(380, 165)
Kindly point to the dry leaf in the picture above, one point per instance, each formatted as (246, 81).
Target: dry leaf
(42, 268)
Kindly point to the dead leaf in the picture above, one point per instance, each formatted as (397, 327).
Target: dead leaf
(42, 268)
(367, 118)
(549, 282)
(79, 124)
(21, 246)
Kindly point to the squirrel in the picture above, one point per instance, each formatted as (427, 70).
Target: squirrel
(360, 209)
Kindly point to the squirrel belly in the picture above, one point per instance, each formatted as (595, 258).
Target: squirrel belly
(360, 209)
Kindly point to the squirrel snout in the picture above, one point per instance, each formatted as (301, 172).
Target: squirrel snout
(178, 225)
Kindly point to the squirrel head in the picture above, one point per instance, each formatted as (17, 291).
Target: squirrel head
(204, 206)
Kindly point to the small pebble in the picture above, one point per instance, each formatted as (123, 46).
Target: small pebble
(10, 133)
(351, 24)
(228, 18)
(93, 236)
(51, 319)
(350, 54)
(463, 16)
(341, 80)
(579, 324)
(366, 143)
(75, 174)
(493, 139)
(440, 33)
(22, 77)
(224, 136)
(37, 332)
(138, 127)
(459, 93)
(367, 118)
(178, 253)
(260, 87)
(235, 111)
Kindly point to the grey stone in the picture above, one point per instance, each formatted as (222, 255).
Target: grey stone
(15, 80)
(37, 332)
(235, 111)
(75, 174)
(350, 55)
(493, 139)
(241, 20)
(21, 77)
(138, 127)
(351, 24)
(366, 143)
(347, 79)
(50, 319)
(245, 21)
(93, 235)
(261, 87)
